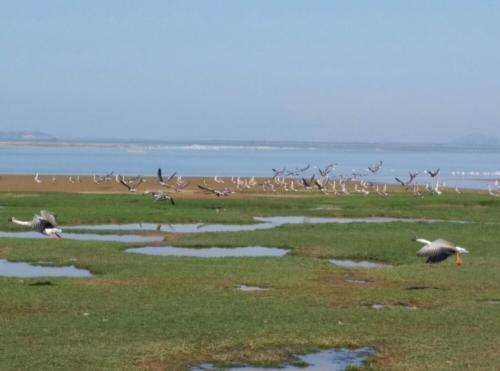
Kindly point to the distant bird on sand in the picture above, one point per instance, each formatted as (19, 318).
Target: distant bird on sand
(45, 223)
(37, 178)
(439, 250)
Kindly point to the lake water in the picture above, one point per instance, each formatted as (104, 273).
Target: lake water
(460, 166)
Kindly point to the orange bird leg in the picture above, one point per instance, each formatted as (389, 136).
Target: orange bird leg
(458, 259)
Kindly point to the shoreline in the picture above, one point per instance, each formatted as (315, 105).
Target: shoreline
(61, 183)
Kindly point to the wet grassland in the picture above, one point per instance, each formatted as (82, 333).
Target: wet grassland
(171, 312)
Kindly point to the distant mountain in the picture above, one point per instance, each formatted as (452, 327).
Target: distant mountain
(25, 136)
(476, 139)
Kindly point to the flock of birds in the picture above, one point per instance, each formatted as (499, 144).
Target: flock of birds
(282, 179)
(287, 180)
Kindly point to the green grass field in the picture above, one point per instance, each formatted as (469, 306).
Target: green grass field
(154, 312)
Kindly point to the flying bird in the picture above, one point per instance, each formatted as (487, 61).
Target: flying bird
(162, 181)
(376, 167)
(217, 192)
(439, 250)
(308, 182)
(131, 185)
(44, 223)
(157, 196)
(433, 173)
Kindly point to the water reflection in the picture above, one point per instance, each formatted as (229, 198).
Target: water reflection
(331, 360)
(346, 263)
(210, 252)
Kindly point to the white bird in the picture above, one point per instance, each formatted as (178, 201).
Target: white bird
(45, 223)
(37, 178)
(439, 250)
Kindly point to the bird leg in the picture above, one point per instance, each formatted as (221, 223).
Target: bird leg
(458, 259)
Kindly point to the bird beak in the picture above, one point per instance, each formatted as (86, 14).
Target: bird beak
(458, 259)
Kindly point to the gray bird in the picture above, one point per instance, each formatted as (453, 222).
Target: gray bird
(44, 223)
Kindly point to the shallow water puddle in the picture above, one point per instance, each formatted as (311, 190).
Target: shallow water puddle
(251, 288)
(210, 252)
(264, 223)
(281, 220)
(86, 236)
(22, 269)
(346, 263)
(176, 228)
(332, 360)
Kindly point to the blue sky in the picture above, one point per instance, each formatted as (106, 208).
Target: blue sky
(256, 70)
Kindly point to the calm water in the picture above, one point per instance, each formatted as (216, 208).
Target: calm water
(460, 166)
(22, 269)
(209, 252)
(326, 360)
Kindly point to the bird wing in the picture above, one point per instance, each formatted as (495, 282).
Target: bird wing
(437, 247)
(206, 188)
(39, 223)
(158, 173)
(49, 217)
(171, 176)
(137, 182)
(125, 184)
(400, 181)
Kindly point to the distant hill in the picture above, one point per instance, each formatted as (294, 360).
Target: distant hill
(476, 139)
(25, 136)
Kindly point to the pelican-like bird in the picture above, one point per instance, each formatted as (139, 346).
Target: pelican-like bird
(45, 223)
(439, 250)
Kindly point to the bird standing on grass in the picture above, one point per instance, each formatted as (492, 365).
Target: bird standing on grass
(44, 223)
(439, 250)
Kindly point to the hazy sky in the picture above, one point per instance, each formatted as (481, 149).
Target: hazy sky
(277, 70)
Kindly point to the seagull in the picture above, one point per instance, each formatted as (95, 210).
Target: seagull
(376, 167)
(439, 250)
(37, 178)
(45, 223)
(433, 173)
